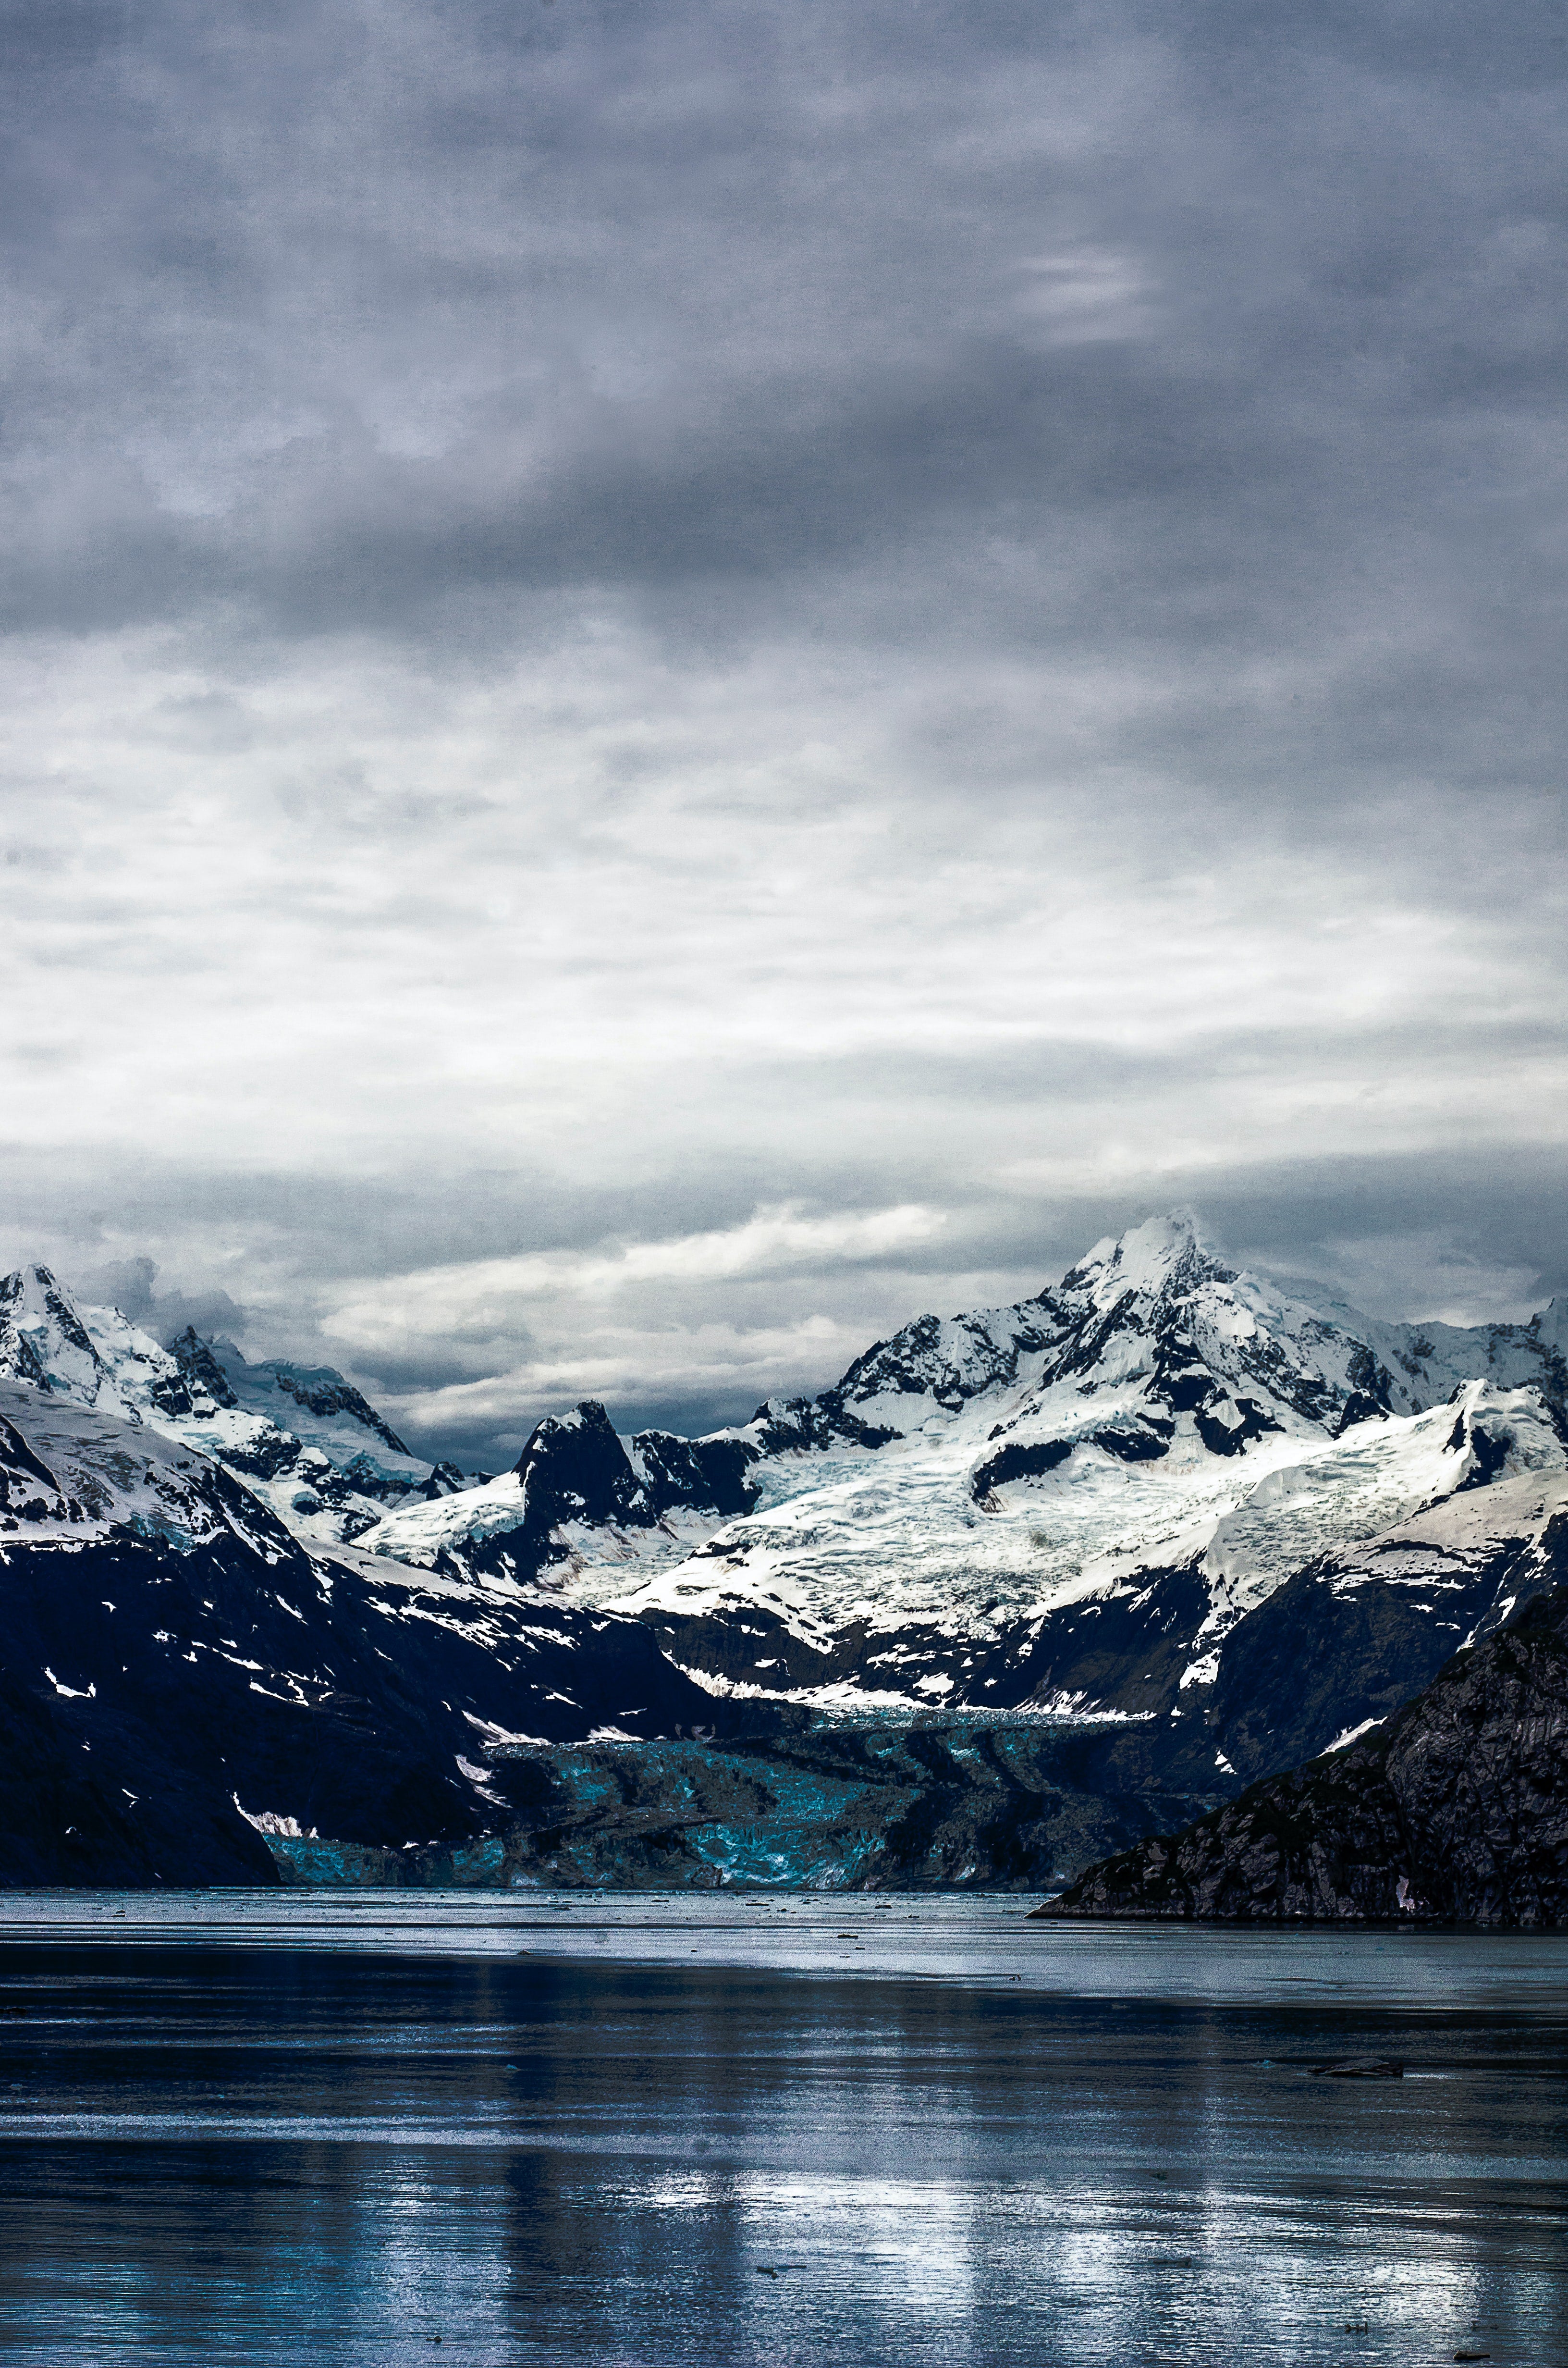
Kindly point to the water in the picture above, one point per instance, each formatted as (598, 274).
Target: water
(763, 2133)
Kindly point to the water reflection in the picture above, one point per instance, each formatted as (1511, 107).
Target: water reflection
(213, 2154)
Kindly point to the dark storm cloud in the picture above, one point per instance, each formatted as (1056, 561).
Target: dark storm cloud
(1240, 315)
(939, 623)
(132, 1285)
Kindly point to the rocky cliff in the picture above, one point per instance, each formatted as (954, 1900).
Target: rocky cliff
(1454, 1811)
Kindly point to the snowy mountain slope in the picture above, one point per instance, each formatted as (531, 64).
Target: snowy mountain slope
(72, 1476)
(1145, 1450)
(1069, 1611)
(1425, 1363)
(302, 1437)
(945, 1799)
(1151, 1340)
(315, 1405)
(164, 1633)
(1345, 1641)
(953, 1798)
(45, 1341)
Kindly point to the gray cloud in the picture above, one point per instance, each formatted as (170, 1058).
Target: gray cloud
(131, 1285)
(622, 615)
(403, 301)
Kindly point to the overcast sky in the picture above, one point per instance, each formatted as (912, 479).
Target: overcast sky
(680, 678)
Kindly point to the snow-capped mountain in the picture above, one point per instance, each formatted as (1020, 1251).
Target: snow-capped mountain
(179, 1674)
(72, 1477)
(1186, 1524)
(300, 1435)
(1148, 1449)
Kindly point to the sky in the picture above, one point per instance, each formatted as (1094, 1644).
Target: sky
(677, 680)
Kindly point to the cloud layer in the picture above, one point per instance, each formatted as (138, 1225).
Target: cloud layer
(638, 630)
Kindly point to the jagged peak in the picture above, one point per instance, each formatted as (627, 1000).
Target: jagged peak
(1551, 1324)
(36, 1288)
(588, 1414)
(31, 1271)
(574, 1467)
(201, 1369)
(44, 1336)
(1149, 1258)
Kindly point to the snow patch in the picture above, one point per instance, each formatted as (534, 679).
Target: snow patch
(1353, 1735)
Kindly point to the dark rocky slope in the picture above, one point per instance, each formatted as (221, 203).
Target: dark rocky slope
(1456, 1812)
(123, 1817)
(177, 1668)
(1351, 1637)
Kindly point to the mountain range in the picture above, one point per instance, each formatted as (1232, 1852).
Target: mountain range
(1162, 1530)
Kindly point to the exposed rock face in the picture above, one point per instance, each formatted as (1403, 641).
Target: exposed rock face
(575, 1472)
(203, 1375)
(711, 1475)
(1457, 1811)
(573, 1468)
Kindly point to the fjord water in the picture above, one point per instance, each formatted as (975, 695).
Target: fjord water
(757, 2132)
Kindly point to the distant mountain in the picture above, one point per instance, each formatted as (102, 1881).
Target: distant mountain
(1453, 1811)
(303, 1437)
(1018, 1802)
(1063, 1507)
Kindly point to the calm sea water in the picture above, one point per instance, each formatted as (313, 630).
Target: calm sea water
(239, 2128)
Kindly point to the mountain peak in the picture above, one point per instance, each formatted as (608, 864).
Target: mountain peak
(44, 1338)
(1149, 1258)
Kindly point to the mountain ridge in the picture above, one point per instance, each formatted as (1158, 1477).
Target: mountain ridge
(1160, 1428)
(304, 1436)
(1134, 1508)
